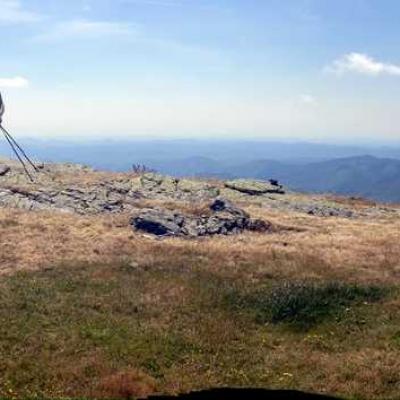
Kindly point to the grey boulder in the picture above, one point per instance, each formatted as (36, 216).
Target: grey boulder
(255, 187)
(159, 222)
(226, 219)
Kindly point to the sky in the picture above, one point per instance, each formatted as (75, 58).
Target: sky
(318, 70)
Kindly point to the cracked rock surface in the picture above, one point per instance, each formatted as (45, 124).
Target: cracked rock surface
(80, 189)
(226, 219)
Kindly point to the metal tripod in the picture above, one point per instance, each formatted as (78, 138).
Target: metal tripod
(20, 153)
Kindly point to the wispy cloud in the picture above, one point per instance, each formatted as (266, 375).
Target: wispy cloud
(362, 64)
(17, 82)
(307, 99)
(85, 29)
(12, 12)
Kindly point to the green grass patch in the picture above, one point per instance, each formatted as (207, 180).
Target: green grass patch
(79, 330)
(63, 329)
(303, 304)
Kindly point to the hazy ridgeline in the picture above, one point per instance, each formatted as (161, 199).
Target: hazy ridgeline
(372, 172)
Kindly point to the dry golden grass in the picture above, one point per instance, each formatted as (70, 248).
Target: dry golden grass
(126, 385)
(365, 250)
(353, 202)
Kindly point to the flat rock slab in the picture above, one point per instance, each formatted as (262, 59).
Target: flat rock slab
(157, 185)
(105, 196)
(225, 220)
(101, 198)
(255, 187)
(325, 211)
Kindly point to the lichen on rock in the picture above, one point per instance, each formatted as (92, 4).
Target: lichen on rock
(255, 187)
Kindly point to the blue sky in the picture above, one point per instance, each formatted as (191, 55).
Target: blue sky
(305, 69)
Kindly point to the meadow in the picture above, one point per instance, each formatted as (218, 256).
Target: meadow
(90, 308)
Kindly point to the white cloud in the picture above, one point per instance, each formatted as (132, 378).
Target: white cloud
(12, 11)
(85, 29)
(362, 64)
(17, 82)
(308, 99)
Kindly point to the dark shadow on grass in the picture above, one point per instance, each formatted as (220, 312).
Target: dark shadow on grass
(303, 304)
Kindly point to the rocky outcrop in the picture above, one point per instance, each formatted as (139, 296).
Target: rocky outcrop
(153, 182)
(85, 200)
(255, 187)
(80, 189)
(98, 197)
(326, 211)
(226, 219)
(156, 185)
(197, 189)
(160, 222)
(315, 208)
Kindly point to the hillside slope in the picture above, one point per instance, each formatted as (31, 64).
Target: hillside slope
(92, 307)
(375, 178)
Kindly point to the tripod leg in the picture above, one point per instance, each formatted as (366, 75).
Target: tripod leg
(18, 156)
(19, 148)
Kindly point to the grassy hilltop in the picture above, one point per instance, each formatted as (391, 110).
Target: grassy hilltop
(91, 307)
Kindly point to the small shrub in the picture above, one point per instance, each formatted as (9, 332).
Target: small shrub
(305, 303)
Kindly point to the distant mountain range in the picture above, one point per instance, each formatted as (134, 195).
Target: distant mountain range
(372, 172)
(366, 176)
